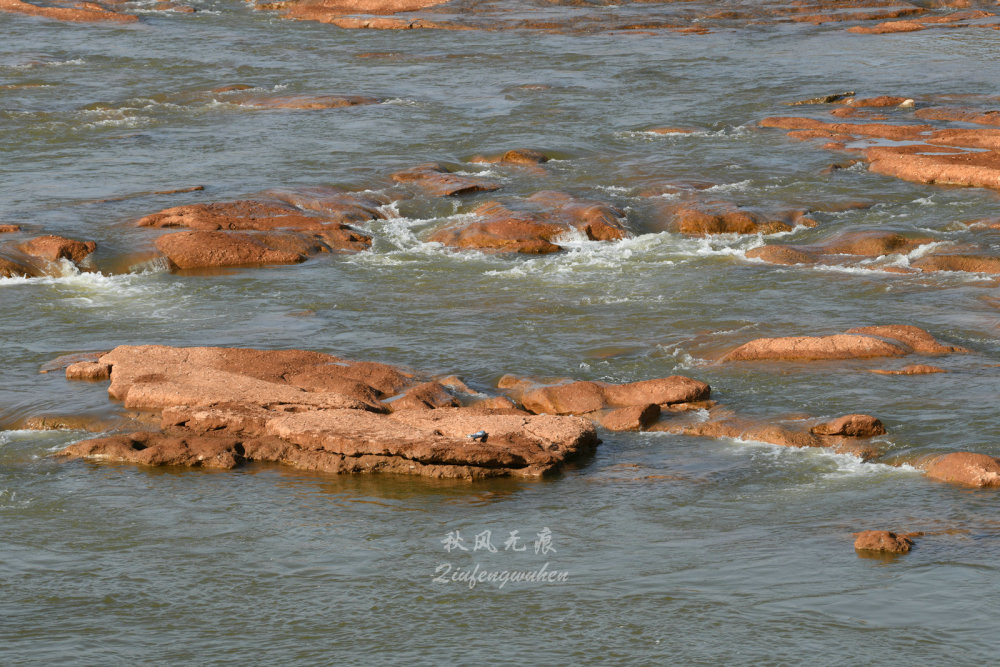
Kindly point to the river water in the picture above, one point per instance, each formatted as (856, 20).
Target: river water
(677, 549)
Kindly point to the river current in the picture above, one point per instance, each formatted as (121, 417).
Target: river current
(677, 549)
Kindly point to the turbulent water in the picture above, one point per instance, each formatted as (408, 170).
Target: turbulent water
(677, 549)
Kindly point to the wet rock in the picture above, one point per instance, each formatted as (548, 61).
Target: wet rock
(516, 156)
(852, 426)
(960, 114)
(53, 248)
(63, 361)
(823, 99)
(916, 338)
(861, 244)
(7, 229)
(309, 102)
(579, 398)
(707, 218)
(878, 102)
(237, 215)
(426, 396)
(965, 468)
(875, 130)
(328, 10)
(83, 12)
(199, 250)
(815, 348)
(437, 180)
(157, 449)
(88, 370)
(781, 254)
(860, 343)
(12, 269)
(968, 263)
(532, 225)
(930, 164)
(632, 418)
(670, 130)
(882, 541)
(912, 369)
(888, 27)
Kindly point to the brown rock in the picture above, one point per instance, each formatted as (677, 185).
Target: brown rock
(437, 180)
(518, 156)
(959, 114)
(63, 361)
(237, 215)
(11, 269)
(531, 225)
(632, 418)
(852, 426)
(579, 398)
(88, 370)
(923, 164)
(7, 229)
(198, 250)
(880, 101)
(887, 27)
(969, 263)
(883, 541)
(54, 248)
(916, 338)
(426, 396)
(965, 468)
(781, 254)
(876, 130)
(703, 219)
(912, 369)
(815, 348)
(309, 102)
(86, 12)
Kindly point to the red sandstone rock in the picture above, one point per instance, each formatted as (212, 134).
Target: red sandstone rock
(880, 101)
(438, 181)
(579, 398)
(880, 131)
(11, 269)
(781, 254)
(82, 12)
(632, 418)
(532, 225)
(917, 339)
(706, 218)
(237, 215)
(7, 229)
(309, 102)
(912, 369)
(426, 396)
(862, 244)
(198, 250)
(924, 164)
(327, 10)
(978, 138)
(882, 541)
(965, 468)
(815, 348)
(88, 370)
(962, 115)
(853, 426)
(969, 263)
(54, 248)
(518, 156)
(887, 27)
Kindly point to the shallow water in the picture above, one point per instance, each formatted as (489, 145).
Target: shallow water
(679, 550)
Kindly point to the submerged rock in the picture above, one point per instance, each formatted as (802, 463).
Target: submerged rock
(853, 426)
(579, 398)
(883, 541)
(859, 343)
(437, 180)
(533, 225)
(718, 217)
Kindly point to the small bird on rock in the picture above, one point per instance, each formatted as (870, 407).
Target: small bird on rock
(480, 436)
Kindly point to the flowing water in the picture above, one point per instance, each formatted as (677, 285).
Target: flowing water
(677, 549)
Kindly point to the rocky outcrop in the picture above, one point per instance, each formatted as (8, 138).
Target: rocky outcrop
(53, 248)
(580, 398)
(10, 268)
(853, 426)
(930, 164)
(533, 225)
(632, 418)
(9, 229)
(249, 232)
(858, 343)
(846, 249)
(965, 468)
(912, 369)
(719, 217)
(968, 263)
(225, 407)
(79, 12)
(524, 157)
(436, 179)
(883, 541)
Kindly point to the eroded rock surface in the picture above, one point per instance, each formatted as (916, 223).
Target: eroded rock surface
(438, 180)
(858, 343)
(224, 407)
(965, 468)
(882, 541)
